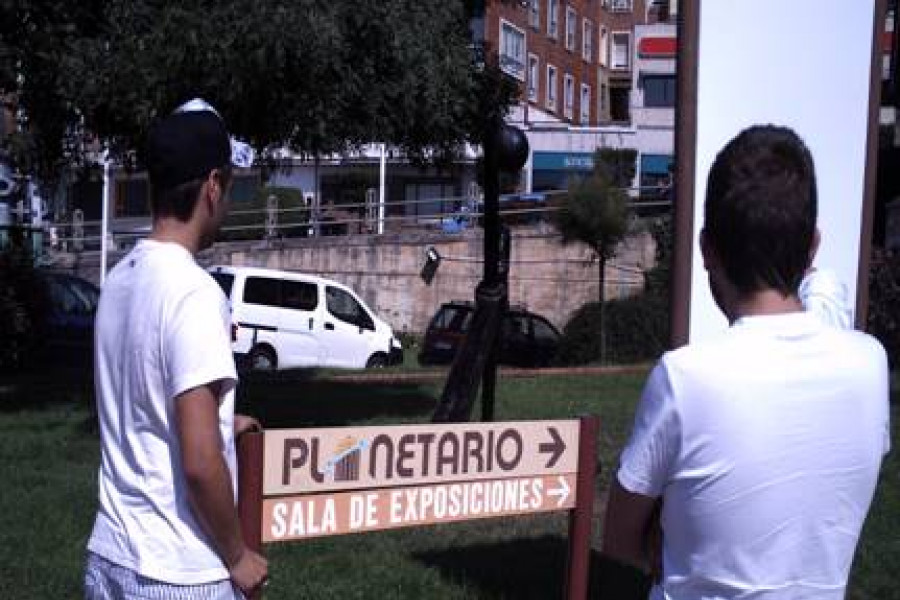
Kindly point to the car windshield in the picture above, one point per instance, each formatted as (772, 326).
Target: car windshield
(86, 292)
(68, 297)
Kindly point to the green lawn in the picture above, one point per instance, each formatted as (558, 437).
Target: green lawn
(49, 453)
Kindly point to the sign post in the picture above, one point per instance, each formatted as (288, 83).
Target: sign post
(296, 484)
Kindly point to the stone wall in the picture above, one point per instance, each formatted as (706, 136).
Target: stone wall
(545, 276)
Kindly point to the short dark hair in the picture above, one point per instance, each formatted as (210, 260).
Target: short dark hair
(179, 201)
(761, 207)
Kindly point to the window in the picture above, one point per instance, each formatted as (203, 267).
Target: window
(543, 331)
(244, 187)
(132, 197)
(620, 5)
(620, 103)
(602, 103)
(587, 40)
(426, 201)
(299, 295)
(225, 281)
(515, 326)
(571, 20)
(66, 300)
(551, 87)
(345, 307)
(621, 50)
(263, 291)
(85, 291)
(452, 318)
(585, 106)
(534, 14)
(604, 46)
(659, 91)
(533, 75)
(659, 11)
(569, 95)
(512, 50)
(553, 18)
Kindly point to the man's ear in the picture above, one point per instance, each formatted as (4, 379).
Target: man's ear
(814, 247)
(212, 189)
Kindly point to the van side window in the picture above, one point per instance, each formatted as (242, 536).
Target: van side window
(345, 307)
(262, 290)
(299, 295)
(225, 281)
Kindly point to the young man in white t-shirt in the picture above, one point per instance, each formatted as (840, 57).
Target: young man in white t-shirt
(167, 526)
(758, 451)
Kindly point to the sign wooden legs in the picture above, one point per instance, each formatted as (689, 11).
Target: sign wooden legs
(581, 518)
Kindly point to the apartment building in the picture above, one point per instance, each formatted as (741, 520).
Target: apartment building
(577, 64)
(653, 93)
(571, 57)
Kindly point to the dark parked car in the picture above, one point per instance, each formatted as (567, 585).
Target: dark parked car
(47, 320)
(527, 339)
(68, 332)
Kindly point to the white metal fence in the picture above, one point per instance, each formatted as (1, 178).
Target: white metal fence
(449, 215)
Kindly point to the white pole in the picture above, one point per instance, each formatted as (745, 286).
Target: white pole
(104, 226)
(381, 190)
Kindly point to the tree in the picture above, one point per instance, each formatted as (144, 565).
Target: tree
(313, 76)
(619, 165)
(595, 213)
(36, 42)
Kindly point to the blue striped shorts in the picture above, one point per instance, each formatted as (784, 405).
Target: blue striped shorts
(105, 580)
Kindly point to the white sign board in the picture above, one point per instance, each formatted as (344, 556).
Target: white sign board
(804, 64)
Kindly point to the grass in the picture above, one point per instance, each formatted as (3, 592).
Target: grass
(49, 453)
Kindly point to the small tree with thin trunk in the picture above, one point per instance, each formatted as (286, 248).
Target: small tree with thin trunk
(595, 213)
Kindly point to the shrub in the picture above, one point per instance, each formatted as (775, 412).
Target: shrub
(884, 303)
(251, 216)
(636, 331)
(23, 308)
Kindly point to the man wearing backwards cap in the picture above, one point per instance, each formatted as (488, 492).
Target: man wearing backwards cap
(167, 526)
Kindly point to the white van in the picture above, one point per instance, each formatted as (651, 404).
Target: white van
(282, 320)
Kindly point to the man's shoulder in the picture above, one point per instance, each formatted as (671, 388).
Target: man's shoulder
(704, 355)
(725, 353)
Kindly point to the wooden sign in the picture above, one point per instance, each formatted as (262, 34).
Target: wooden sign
(296, 484)
(317, 460)
(317, 515)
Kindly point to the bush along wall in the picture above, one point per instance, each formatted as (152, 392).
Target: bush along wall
(636, 331)
(23, 308)
(637, 328)
(884, 303)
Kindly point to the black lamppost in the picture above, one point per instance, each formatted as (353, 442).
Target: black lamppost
(504, 148)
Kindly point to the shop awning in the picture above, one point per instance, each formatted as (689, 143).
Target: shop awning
(655, 164)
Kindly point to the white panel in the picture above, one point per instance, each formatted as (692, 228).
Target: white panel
(804, 64)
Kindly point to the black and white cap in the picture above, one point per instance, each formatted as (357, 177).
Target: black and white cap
(190, 143)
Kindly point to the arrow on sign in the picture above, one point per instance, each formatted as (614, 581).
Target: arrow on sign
(562, 491)
(556, 447)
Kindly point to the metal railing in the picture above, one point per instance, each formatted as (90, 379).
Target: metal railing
(449, 215)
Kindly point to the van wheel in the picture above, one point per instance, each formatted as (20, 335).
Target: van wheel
(376, 361)
(262, 359)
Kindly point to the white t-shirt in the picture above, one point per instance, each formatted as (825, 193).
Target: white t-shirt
(765, 445)
(162, 328)
(824, 295)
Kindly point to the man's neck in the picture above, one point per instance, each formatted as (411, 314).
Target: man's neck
(766, 302)
(171, 230)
